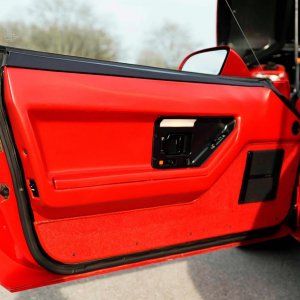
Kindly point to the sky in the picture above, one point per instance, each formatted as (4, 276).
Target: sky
(132, 20)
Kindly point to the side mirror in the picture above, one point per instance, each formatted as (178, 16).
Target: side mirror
(215, 61)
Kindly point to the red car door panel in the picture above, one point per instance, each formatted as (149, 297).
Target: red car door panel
(85, 145)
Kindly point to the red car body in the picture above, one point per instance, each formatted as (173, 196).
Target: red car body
(94, 181)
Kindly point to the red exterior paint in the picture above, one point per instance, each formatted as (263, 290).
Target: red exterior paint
(235, 66)
(88, 141)
(278, 75)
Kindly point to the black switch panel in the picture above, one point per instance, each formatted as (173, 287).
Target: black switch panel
(190, 146)
(261, 177)
(176, 144)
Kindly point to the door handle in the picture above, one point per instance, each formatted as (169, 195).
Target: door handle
(181, 143)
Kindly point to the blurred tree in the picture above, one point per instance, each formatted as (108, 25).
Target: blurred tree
(166, 46)
(11, 34)
(150, 57)
(61, 26)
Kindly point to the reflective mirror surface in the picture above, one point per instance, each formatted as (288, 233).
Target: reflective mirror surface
(210, 62)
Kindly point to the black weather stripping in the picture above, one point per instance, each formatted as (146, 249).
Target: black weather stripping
(28, 59)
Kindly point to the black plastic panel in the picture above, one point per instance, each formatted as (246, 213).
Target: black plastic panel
(181, 147)
(261, 176)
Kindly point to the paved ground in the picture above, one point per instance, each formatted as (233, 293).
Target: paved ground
(267, 271)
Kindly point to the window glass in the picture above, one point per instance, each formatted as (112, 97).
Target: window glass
(149, 32)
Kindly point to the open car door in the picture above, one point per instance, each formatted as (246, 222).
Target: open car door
(106, 166)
